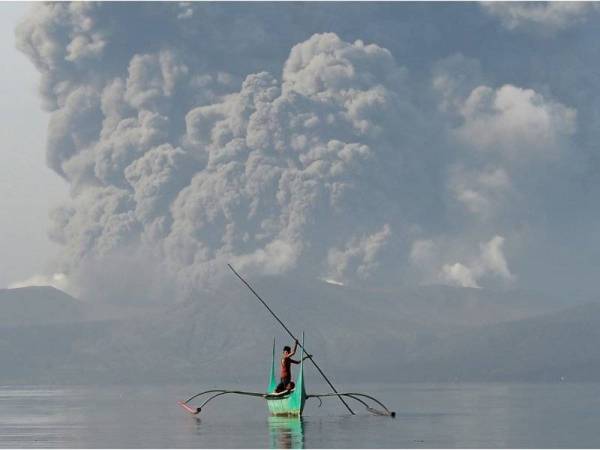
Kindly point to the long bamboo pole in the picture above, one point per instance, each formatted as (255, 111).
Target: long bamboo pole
(292, 336)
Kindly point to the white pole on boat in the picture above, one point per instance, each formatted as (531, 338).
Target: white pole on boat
(293, 337)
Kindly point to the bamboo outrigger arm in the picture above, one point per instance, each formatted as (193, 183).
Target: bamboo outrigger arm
(352, 395)
(216, 393)
(225, 391)
(355, 396)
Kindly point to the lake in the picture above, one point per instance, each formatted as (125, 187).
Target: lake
(428, 416)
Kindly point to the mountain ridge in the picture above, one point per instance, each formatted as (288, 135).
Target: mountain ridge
(432, 334)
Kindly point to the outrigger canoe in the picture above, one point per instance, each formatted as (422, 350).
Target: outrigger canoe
(287, 403)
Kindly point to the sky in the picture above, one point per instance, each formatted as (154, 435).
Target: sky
(364, 144)
(29, 188)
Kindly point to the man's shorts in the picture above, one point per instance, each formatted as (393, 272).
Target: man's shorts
(283, 384)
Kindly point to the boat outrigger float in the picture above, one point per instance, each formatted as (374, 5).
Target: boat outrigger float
(290, 402)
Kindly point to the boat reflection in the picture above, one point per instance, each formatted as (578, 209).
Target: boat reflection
(286, 432)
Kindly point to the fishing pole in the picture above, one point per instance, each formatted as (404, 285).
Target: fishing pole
(293, 337)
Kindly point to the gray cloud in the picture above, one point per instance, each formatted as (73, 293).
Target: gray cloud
(514, 121)
(267, 177)
(273, 138)
(286, 161)
(437, 259)
(546, 16)
(483, 192)
(361, 252)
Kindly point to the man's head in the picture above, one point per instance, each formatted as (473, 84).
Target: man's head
(287, 350)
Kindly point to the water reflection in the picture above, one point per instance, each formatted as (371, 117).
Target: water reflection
(286, 432)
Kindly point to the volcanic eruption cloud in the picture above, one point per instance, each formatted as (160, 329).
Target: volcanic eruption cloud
(196, 135)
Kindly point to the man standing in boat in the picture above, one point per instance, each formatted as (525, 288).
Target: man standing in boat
(285, 382)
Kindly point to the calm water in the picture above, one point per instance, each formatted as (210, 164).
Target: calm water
(428, 415)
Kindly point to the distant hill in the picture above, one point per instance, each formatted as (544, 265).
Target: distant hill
(445, 305)
(561, 346)
(38, 305)
(430, 333)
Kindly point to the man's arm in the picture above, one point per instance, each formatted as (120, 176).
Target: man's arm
(295, 348)
(298, 362)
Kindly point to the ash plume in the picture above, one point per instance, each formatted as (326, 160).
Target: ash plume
(192, 138)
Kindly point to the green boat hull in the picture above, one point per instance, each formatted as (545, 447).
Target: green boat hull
(291, 404)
